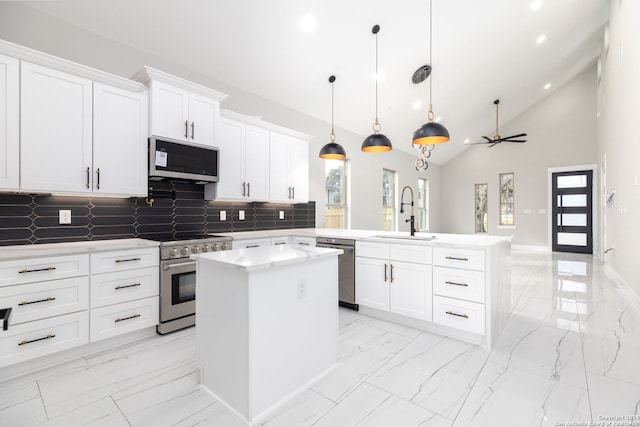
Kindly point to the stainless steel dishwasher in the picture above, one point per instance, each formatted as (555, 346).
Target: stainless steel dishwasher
(346, 269)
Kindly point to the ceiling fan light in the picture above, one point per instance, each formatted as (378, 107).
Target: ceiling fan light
(376, 143)
(333, 151)
(430, 133)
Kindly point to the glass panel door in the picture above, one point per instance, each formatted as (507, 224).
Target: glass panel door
(572, 212)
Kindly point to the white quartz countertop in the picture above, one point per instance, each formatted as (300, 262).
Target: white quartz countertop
(68, 248)
(403, 237)
(266, 257)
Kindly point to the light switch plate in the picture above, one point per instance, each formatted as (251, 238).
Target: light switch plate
(223, 215)
(281, 214)
(241, 215)
(64, 216)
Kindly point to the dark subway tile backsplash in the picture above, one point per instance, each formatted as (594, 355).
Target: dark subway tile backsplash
(33, 218)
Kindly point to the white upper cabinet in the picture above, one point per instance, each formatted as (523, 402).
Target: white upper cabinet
(9, 123)
(180, 109)
(289, 165)
(120, 126)
(244, 162)
(56, 131)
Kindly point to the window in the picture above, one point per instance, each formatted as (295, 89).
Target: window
(506, 199)
(388, 200)
(482, 208)
(423, 204)
(336, 203)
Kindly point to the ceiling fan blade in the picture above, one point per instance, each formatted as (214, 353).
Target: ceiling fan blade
(515, 136)
(495, 143)
(514, 140)
(476, 143)
(488, 139)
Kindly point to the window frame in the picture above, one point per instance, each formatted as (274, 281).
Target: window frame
(425, 209)
(394, 206)
(344, 206)
(503, 203)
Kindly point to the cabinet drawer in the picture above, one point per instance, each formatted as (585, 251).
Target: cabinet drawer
(410, 253)
(123, 286)
(276, 241)
(34, 339)
(304, 241)
(251, 243)
(372, 250)
(463, 315)
(41, 300)
(458, 283)
(107, 262)
(119, 319)
(40, 269)
(459, 258)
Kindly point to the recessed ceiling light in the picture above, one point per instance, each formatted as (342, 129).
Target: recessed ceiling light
(547, 86)
(535, 5)
(417, 104)
(308, 23)
(468, 140)
(541, 38)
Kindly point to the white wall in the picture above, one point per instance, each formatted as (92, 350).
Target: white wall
(25, 26)
(618, 138)
(561, 131)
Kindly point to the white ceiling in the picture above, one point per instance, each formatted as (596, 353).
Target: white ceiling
(482, 50)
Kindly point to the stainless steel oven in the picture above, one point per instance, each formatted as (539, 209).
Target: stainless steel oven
(178, 280)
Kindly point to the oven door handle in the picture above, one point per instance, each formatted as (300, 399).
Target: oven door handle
(180, 264)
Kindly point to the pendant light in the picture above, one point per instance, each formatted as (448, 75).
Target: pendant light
(429, 133)
(376, 142)
(332, 150)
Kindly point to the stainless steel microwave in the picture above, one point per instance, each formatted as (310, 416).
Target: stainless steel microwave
(172, 159)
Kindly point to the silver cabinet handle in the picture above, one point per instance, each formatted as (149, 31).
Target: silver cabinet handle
(88, 177)
(289, 192)
(36, 270)
(281, 243)
(127, 286)
(455, 283)
(293, 192)
(40, 300)
(458, 259)
(385, 272)
(248, 189)
(244, 187)
(49, 336)
(252, 246)
(391, 273)
(186, 128)
(180, 264)
(98, 176)
(193, 130)
(122, 319)
(451, 313)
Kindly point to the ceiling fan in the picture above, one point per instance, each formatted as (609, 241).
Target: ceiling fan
(497, 139)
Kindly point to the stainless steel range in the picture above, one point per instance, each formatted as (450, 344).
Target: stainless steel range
(178, 279)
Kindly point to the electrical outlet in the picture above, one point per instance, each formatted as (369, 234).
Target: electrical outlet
(64, 216)
(302, 291)
(223, 215)
(241, 215)
(281, 214)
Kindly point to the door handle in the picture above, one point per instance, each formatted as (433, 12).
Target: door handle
(98, 175)
(186, 129)
(88, 177)
(193, 130)
(391, 273)
(248, 189)
(244, 188)
(293, 192)
(385, 272)
(289, 192)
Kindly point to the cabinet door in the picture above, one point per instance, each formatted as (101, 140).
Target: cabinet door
(169, 111)
(299, 170)
(372, 288)
(230, 140)
(257, 163)
(279, 185)
(410, 290)
(56, 129)
(202, 116)
(120, 131)
(9, 123)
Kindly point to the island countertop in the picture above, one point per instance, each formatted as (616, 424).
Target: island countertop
(266, 257)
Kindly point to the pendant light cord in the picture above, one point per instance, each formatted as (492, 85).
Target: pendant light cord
(430, 114)
(376, 77)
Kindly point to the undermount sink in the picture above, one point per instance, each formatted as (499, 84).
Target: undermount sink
(425, 238)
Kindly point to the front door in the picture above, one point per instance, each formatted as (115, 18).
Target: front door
(572, 215)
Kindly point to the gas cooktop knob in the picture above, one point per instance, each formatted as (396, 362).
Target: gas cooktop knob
(174, 252)
(225, 246)
(196, 249)
(185, 251)
(216, 247)
(205, 248)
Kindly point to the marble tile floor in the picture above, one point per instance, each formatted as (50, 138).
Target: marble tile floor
(569, 354)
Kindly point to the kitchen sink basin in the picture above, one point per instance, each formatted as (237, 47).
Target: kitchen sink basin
(425, 238)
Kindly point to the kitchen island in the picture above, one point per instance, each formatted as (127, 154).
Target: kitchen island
(267, 324)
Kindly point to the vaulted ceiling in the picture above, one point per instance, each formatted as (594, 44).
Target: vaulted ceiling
(482, 50)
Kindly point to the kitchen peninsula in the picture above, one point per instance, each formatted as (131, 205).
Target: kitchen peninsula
(267, 323)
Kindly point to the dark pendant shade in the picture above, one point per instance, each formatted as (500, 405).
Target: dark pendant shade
(333, 151)
(376, 143)
(431, 133)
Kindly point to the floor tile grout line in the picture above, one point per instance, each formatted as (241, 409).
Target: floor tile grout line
(42, 399)
(120, 410)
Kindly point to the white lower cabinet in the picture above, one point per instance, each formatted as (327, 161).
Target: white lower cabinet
(117, 319)
(41, 337)
(123, 286)
(459, 314)
(251, 243)
(398, 287)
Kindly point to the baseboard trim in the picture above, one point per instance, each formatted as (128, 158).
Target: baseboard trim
(625, 289)
(531, 248)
